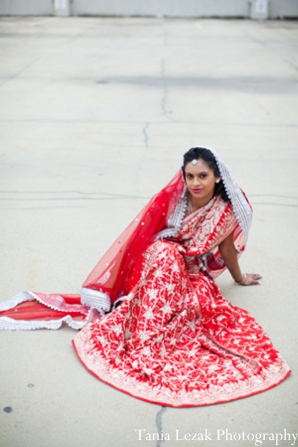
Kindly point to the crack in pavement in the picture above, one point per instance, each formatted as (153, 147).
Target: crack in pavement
(146, 138)
(18, 73)
(166, 111)
(158, 421)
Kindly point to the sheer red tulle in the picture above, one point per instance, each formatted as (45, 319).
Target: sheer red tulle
(118, 269)
(112, 271)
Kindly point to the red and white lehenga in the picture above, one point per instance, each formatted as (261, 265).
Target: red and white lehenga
(173, 339)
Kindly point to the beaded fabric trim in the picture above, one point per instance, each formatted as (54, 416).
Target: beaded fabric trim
(17, 299)
(175, 221)
(240, 206)
(10, 324)
(95, 299)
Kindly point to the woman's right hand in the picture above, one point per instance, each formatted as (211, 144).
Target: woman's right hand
(250, 279)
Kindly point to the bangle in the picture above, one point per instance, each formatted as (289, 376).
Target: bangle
(244, 276)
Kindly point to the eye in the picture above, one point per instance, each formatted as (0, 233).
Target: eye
(189, 176)
(203, 175)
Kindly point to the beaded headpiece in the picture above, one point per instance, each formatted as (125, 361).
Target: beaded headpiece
(241, 208)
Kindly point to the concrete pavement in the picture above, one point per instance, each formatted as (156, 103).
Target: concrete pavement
(95, 115)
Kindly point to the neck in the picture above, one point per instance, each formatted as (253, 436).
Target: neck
(197, 203)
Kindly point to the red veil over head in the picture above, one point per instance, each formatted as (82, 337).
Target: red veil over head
(107, 281)
(115, 268)
(111, 277)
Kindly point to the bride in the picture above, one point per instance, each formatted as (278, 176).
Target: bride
(153, 322)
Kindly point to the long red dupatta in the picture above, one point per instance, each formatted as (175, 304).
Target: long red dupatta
(105, 284)
(109, 279)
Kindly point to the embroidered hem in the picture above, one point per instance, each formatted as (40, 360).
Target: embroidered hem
(214, 394)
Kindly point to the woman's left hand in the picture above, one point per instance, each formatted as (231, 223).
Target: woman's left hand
(250, 279)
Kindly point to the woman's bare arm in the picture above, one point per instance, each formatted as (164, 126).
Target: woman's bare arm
(229, 254)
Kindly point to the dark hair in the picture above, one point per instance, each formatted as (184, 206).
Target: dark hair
(197, 153)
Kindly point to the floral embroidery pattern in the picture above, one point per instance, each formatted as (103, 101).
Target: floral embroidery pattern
(175, 340)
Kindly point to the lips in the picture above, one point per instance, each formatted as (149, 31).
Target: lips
(197, 190)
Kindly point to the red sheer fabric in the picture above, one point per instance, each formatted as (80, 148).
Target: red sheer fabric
(109, 275)
(115, 268)
(119, 269)
(35, 310)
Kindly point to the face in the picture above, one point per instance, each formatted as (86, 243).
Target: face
(200, 181)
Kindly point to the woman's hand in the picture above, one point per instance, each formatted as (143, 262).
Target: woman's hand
(249, 279)
(229, 254)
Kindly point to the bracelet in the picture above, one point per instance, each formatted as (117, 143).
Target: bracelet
(244, 276)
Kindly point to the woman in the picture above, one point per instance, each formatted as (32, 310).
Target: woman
(171, 337)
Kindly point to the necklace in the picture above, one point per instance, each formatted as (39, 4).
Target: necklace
(189, 207)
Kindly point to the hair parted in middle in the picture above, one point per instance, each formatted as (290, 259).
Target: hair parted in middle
(197, 153)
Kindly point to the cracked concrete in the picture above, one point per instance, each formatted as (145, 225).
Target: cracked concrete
(95, 115)
(146, 137)
(166, 110)
(159, 425)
